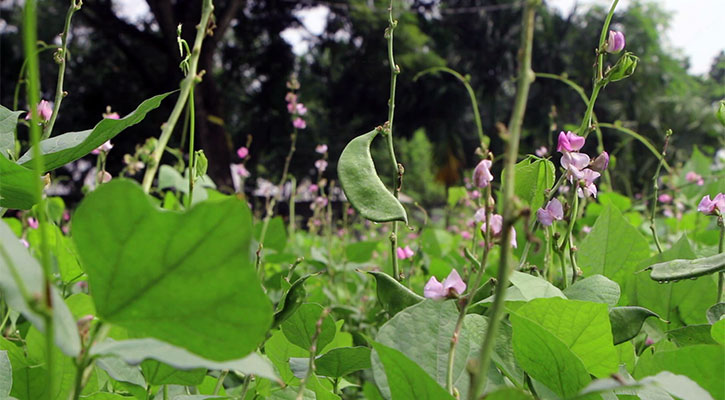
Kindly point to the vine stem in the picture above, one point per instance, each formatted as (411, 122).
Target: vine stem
(61, 59)
(397, 170)
(655, 198)
(186, 86)
(720, 248)
(192, 159)
(313, 352)
(525, 78)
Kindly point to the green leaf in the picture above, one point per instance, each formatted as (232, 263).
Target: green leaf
(362, 185)
(508, 394)
(339, 362)
(291, 301)
(660, 386)
(676, 270)
(6, 375)
(455, 194)
(525, 288)
(290, 393)
(301, 326)
(702, 363)
(715, 313)
(392, 295)
(121, 371)
(423, 333)
(546, 358)
(613, 248)
(183, 278)
(627, 322)
(582, 326)
(62, 149)
(276, 236)
(360, 252)
(595, 288)
(408, 381)
(280, 350)
(134, 351)
(158, 373)
(18, 185)
(30, 273)
(533, 176)
(717, 331)
(8, 123)
(691, 335)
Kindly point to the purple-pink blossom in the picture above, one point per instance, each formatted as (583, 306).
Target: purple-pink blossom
(694, 177)
(242, 152)
(105, 148)
(321, 165)
(301, 109)
(313, 188)
(615, 43)
(321, 148)
(712, 206)
(587, 187)
(482, 176)
(541, 151)
(664, 198)
(32, 223)
(45, 111)
(552, 211)
(569, 142)
(601, 162)
(574, 163)
(466, 235)
(452, 286)
(299, 123)
(404, 252)
(241, 170)
(497, 227)
(112, 115)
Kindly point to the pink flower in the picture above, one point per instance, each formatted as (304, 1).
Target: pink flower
(350, 211)
(321, 165)
(319, 202)
(664, 198)
(615, 43)
(301, 109)
(240, 170)
(586, 229)
(242, 152)
(25, 242)
(574, 163)
(694, 177)
(475, 194)
(541, 151)
(404, 253)
(299, 123)
(105, 147)
(113, 115)
(452, 286)
(497, 227)
(32, 223)
(290, 97)
(569, 142)
(466, 235)
(482, 174)
(66, 215)
(321, 148)
(601, 162)
(706, 205)
(587, 187)
(480, 215)
(552, 211)
(313, 188)
(45, 111)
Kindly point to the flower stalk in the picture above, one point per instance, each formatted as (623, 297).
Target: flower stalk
(655, 197)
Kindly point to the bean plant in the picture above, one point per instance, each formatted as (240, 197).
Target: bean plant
(545, 285)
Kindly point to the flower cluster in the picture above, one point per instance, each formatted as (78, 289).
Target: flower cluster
(579, 168)
(452, 286)
(297, 110)
(404, 252)
(714, 206)
(496, 225)
(45, 111)
(694, 177)
(552, 211)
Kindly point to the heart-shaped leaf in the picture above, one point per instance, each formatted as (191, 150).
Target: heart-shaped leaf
(677, 270)
(8, 123)
(595, 288)
(185, 278)
(62, 149)
(362, 185)
(337, 363)
(18, 185)
(393, 296)
(301, 327)
(291, 301)
(627, 321)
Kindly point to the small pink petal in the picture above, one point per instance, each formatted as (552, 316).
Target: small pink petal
(434, 289)
(242, 152)
(453, 282)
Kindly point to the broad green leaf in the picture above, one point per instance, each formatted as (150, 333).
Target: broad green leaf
(8, 123)
(322, 388)
(280, 351)
(660, 386)
(167, 275)
(339, 362)
(62, 149)
(362, 185)
(360, 252)
(63, 369)
(62, 251)
(595, 288)
(121, 371)
(455, 194)
(301, 327)
(683, 302)
(717, 331)
(525, 288)
(627, 321)
(676, 270)
(407, 380)
(290, 393)
(509, 394)
(582, 326)
(134, 351)
(691, 335)
(158, 373)
(702, 363)
(546, 358)
(6, 374)
(613, 248)
(392, 295)
(423, 333)
(276, 236)
(18, 185)
(291, 300)
(14, 256)
(533, 176)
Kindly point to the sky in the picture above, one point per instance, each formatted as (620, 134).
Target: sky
(697, 29)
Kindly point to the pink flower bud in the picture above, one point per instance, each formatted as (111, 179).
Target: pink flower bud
(242, 152)
(299, 123)
(601, 162)
(32, 223)
(569, 142)
(321, 148)
(113, 115)
(615, 43)
(240, 170)
(466, 235)
(301, 109)
(552, 211)
(290, 97)
(482, 174)
(664, 198)
(321, 165)
(105, 147)
(694, 177)
(541, 151)
(313, 188)
(45, 111)
(404, 253)
(25, 242)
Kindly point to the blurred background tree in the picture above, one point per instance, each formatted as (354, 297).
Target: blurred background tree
(344, 78)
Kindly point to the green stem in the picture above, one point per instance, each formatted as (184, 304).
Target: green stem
(525, 78)
(572, 257)
(394, 72)
(220, 382)
(61, 59)
(655, 197)
(192, 157)
(313, 353)
(720, 248)
(186, 85)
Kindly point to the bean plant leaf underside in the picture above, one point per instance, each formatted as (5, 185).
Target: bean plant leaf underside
(362, 185)
(18, 185)
(627, 321)
(184, 278)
